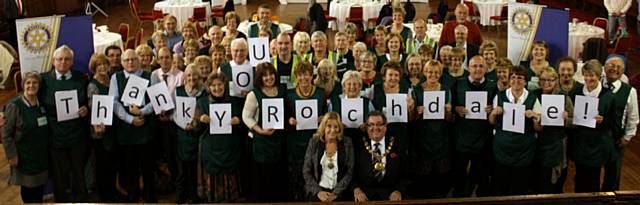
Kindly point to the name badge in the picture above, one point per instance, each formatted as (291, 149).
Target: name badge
(42, 121)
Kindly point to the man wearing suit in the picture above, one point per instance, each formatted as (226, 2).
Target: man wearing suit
(461, 34)
(379, 172)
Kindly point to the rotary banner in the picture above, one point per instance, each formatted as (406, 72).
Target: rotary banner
(529, 23)
(39, 37)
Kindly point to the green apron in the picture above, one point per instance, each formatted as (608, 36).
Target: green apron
(33, 144)
(472, 136)
(431, 141)
(511, 148)
(221, 153)
(399, 130)
(267, 149)
(298, 140)
(187, 140)
(126, 133)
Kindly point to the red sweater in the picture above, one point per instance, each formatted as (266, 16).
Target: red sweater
(447, 37)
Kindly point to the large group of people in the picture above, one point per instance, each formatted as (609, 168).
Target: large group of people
(374, 160)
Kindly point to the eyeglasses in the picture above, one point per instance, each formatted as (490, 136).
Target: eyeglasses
(611, 65)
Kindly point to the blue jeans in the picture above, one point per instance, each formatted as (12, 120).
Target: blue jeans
(614, 23)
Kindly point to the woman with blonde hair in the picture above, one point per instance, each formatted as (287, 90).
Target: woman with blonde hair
(538, 60)
(191, 51)
(455, 70)
(302, 46)
(445, 55)
(145, 54)
(431, 144)
(413, 69)
(204, 66)
(328, 162)
(393, 43)
(189, 32)
(327, 79)
(550, 163)
(231, 19)
(489, 51)
(218, 57)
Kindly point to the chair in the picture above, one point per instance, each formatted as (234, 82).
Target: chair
(622, 46)
(473, 13)
(602, 23)
(355, 15)
(140, 16)
(133, 42)
(17, 81)
(504, 16)
(124, 32)
(199, 15)
(157, 14)
(218, 12)
(329, 18)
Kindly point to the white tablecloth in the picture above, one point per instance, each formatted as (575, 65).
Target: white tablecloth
(244, 27)
(578, 34)
(433, 30)
(341, 12)
(325, 1)
(182, 12)
(102, 40)
(488, 8)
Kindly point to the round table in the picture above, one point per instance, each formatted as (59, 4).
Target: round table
(580, 33)
(433, 30)
(341, 12)
(489, 8)
(102, 40)
(244, 27)
(182, 12)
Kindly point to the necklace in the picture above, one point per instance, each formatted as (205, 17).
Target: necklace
(270, 91)
(378, 165)
(331, 165)
(305, 94)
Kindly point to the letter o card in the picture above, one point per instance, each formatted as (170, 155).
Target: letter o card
(306, 114)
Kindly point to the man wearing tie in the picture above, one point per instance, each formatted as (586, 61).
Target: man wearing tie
(134, 132)
(68, 145)
(379, 172)
(173, 78)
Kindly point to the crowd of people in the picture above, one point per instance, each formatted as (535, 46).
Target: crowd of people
(376, 160)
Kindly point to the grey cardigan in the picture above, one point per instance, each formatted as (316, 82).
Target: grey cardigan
(312, 170)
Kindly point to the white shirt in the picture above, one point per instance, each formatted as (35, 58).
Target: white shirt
(59, 75)
(630, 117)
(329, 177)
(594, 93)
(174, 78)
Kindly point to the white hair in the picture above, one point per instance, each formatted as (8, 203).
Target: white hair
(239, 41)
(61, 49)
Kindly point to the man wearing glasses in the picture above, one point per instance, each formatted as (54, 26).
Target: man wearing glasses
(379, 170)
(626, 108)
(68, 146)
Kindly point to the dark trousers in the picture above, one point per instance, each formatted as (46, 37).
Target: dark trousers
(31, 194)
(106, 170)
(465, 179)
(186, 181)
(270, 185)
(138, 160)
(587, 179)
(612, 168)
(168, 139)
(510, 180)
(69, 166)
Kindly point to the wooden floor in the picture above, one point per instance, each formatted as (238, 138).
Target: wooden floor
(288, 13)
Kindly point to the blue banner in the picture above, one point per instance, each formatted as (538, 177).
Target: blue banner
(553, 28)
(75, 32)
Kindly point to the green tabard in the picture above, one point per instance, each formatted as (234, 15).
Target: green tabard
(33, 144)
(511, 148)
(298, 140)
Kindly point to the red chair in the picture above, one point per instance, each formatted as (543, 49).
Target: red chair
(135, 41)
(355, 15)
(602, 23)
(157, 14)
(218, 12)
(504, 16)
(17, 82)
(622, 46)
(199, 15)
(142, 17)
(124, 31)
(329, 18)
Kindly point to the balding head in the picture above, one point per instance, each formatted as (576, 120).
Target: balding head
(461, 12)
(130, 61)
(477, 68)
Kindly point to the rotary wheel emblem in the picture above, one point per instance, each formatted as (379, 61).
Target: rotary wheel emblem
(36, 38)
(521, 21)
